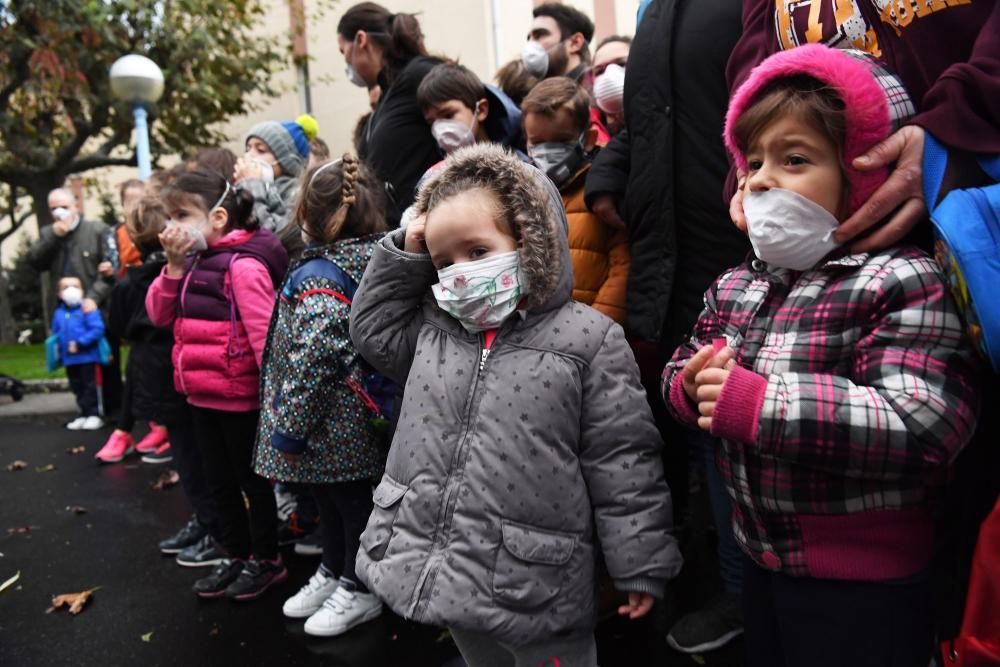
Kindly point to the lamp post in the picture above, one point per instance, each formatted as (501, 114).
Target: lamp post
(138, 80)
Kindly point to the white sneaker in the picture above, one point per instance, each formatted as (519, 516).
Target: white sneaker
(92, 424)
(76, 424)
(311, 597)
(342, 611)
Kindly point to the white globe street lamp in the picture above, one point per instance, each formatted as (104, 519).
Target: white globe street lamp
(138, 80)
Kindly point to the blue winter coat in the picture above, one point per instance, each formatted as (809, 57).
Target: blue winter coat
(72, 324)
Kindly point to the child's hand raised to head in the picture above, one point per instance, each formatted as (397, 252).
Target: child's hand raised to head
(709, 382)
(176, 244)
(638, 605)
(414, 241)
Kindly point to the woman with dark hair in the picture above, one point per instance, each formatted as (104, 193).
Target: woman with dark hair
(386, 49)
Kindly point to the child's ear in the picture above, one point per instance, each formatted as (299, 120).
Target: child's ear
(590, 139)
(218, 218)
(482, 109)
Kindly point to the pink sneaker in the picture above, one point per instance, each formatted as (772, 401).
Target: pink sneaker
(118, 446)
(157, 436)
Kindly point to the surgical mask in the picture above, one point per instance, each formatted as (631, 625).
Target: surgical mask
(558, 159)
(61, 213)
(452, 134)
(535, 59)
(609, 89)
(789, 230)
(194, 233)
(266, 170)
(354, 77)
(481, 294)
(72, 296)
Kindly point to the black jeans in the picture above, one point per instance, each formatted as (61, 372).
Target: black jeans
(797, 621)
(344, 509)
(191, 469)
(83, 382)
(226, 441)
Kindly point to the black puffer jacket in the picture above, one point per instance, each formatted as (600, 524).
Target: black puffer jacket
(150, 372)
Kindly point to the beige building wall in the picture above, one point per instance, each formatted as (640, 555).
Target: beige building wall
(481, 34)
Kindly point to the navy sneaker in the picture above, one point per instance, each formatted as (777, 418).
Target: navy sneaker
(224, 574)
(203, 553)
(191, 533)
(256, 578)
(708, 629)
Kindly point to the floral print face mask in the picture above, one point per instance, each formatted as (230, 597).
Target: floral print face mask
(481, 294)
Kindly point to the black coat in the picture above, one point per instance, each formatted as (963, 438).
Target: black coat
(150, 372)
(397, 142)
(680, 233)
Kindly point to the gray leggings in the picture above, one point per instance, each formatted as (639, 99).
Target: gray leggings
(480, 650)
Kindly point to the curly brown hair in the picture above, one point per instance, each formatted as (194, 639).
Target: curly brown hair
(145, 222)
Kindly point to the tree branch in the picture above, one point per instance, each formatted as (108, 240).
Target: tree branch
(95, 160)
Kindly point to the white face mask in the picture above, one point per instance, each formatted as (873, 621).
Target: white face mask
(266, 170)
(788, 230)
(72, 296)
(61, 213)
(535, 59)
(609, 89)
(354, 77)
(558, 159)
(481, 294)
(194, 233)
(452, 134)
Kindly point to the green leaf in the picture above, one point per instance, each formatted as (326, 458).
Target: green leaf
(147, 637)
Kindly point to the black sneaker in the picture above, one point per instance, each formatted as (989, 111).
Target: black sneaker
(203, 553)
(710, 628)
(294, 529)
(256, 577)
(214, 585)
(190, 534)
(311, 545)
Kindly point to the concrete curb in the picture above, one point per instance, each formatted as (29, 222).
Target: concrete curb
(45, 386)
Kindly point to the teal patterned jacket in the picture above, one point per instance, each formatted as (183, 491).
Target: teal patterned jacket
(308, 406)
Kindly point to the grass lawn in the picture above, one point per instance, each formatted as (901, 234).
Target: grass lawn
(27, 362)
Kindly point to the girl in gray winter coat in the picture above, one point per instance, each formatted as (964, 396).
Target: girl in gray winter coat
(524, 442)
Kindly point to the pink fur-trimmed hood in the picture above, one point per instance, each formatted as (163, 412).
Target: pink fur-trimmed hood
(875, 104)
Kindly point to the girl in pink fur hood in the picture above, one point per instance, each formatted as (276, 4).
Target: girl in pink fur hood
(840, 385)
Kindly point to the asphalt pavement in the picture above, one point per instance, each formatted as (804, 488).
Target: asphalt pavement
(69, 525)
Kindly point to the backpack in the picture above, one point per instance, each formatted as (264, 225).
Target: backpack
(375, 390)
(967, 246)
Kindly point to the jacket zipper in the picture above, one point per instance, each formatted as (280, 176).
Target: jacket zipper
(433, 561)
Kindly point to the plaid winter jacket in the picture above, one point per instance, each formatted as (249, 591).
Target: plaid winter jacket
(853, 391)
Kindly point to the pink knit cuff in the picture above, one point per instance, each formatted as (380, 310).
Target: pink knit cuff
(737, 412)
(684, 408)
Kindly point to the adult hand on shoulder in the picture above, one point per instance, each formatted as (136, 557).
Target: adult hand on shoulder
(88, 305)
(710, 381)
(638, 605)
(607, 212)
(902, 192)
(414, 241)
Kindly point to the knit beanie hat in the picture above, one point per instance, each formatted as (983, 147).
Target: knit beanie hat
(875, 104)
(288, 140)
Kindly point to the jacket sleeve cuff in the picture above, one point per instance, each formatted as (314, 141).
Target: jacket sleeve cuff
(650, 585)
(288, 444)
(683, 406)
(169, 285)
(737, 412)
(394, 242)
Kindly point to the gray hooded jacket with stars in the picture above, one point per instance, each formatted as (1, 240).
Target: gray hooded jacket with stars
(509, 470)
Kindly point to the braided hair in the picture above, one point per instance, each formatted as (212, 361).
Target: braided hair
(340, 199)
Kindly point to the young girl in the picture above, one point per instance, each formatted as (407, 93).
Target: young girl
(524, 438)
(840, 383)
(317, 427)
(219, 301)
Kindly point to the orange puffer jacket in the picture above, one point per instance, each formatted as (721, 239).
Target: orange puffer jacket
(600, 254)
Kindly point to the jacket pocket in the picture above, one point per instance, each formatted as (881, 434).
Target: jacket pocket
(386, 498)
(528, 570)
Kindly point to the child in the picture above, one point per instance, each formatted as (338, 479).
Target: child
(462, 110)
(275, 155)
(560, 140)
(79, 335)
(524, 438)
(318, 427)
(840, 383)
(219, 302)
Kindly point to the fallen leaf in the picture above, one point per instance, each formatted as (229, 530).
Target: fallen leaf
(166, 480)
(49, 468)
(17, 465)
(10, 582)
(21, 530)
(214, 632)
(76, 450)
(74, 601)
(76, 509)
(146, 637)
